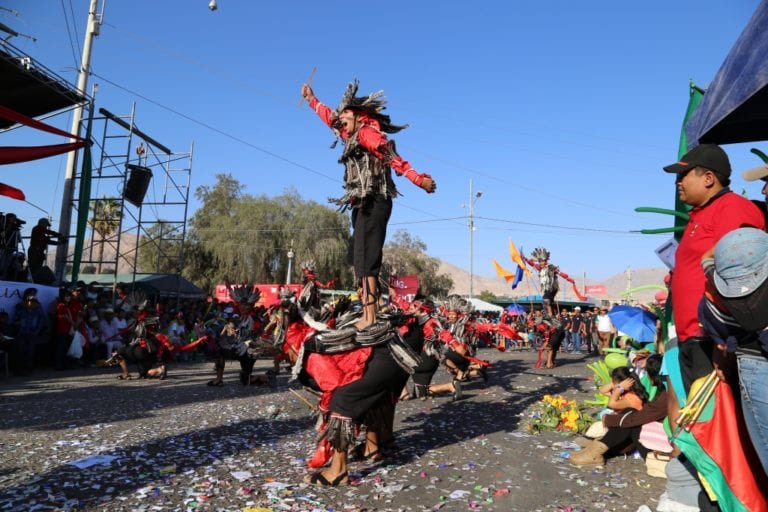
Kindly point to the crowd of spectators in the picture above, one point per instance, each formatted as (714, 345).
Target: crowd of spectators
(100, 318)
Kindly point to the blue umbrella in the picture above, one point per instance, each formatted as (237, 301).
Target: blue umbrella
(637, 323)
(515, 309)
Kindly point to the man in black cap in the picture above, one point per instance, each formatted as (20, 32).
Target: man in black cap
(703, 176)
(41, 238)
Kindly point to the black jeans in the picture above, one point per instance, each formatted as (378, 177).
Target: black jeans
(617, 439)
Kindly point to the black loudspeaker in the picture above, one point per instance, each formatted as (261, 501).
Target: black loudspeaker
(137, 185)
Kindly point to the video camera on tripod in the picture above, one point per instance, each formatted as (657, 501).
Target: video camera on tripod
(10, 231)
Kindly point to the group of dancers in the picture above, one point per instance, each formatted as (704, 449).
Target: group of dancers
(358, 375)
(356, 359)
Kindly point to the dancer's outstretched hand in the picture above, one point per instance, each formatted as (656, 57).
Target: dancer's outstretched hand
(307, 93)
(428, 184)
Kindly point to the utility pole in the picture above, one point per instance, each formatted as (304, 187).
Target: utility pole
(472, 199)
(629, 285)
(65, 218)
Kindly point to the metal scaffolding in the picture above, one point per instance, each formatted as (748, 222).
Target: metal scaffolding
(127, 238)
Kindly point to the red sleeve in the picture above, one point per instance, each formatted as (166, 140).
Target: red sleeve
(430, 328)
(373, 140)
(326, 115)
(447, 338)
(532, 263)
(191, 346)
(163, 339)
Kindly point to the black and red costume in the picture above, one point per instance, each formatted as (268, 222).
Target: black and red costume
(368, 159)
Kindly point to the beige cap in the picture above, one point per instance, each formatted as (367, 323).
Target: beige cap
(756, 173)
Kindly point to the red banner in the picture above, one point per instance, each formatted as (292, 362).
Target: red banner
(405, 286)
(13, 192)
(595, 289)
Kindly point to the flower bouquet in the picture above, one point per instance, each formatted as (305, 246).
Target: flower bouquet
(556, 413)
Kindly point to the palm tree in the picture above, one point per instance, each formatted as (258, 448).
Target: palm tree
(107, 214)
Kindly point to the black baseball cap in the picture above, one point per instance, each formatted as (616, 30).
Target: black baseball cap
(709, 156)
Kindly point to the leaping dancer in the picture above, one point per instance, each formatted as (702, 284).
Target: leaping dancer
(548, 274)
(368, 158)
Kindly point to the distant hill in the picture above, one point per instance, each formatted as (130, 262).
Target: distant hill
(614, 285)
(91, 251)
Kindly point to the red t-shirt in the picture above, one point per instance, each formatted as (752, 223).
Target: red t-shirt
(63, 316)
(708, 224)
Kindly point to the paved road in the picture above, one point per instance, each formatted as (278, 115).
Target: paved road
(180, 445)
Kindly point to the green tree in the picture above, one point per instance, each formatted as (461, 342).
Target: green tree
(160, 248)
(107, 214)
(407, 255)
(487, 296)
(242, 238)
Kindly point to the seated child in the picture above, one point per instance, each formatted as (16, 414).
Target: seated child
(625, 390)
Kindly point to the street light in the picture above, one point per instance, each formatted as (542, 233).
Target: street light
(289, 272)
(472, 199)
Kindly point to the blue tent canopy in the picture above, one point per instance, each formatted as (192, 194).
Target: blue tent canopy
(735, 106)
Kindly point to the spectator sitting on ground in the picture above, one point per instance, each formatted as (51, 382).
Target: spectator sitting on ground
(109, 325)
(121, 320)
(624, 390)
(624, 427)
(97, 349)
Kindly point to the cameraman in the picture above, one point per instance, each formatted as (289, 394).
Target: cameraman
(41, 238)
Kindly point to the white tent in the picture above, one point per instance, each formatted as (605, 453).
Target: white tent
(485, 307)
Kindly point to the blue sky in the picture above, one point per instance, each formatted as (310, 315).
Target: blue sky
(561, 113)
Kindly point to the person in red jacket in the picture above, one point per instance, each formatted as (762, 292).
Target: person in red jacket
(368, 159)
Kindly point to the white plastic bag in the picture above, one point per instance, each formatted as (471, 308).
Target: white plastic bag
(76, 346)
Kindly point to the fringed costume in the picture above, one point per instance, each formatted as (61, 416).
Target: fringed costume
(368, 160)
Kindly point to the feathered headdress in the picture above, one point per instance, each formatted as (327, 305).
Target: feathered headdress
(540, 254)
(373, 105)
(244, 294)
(136, 299)
(457, 303)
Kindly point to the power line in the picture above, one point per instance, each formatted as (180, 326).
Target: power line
(239, 140)
(69, 34)
(571, 228)
(219, 131)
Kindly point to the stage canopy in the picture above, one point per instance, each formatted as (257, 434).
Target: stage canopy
(735, 106)
(27, 87)
(165, 285)
(485, 307)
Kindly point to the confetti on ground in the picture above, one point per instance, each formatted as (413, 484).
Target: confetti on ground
(81, 440)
